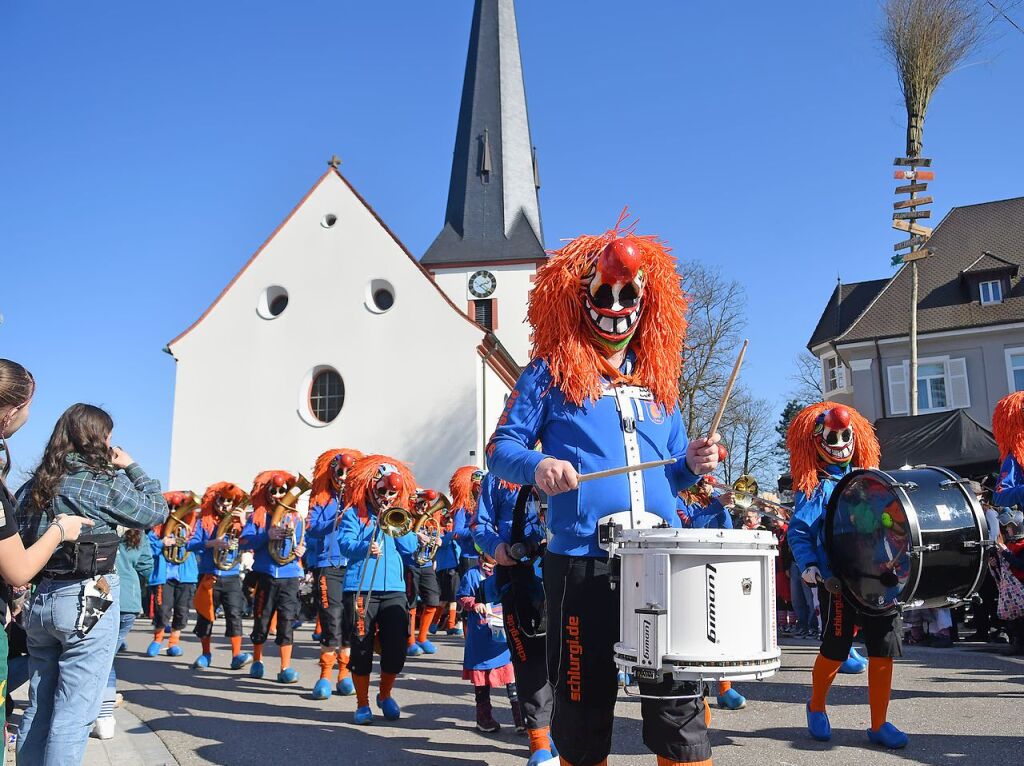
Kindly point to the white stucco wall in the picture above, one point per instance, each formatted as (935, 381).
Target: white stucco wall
(411, 374)
(511, 294)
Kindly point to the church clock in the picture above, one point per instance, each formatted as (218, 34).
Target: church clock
(482, 284)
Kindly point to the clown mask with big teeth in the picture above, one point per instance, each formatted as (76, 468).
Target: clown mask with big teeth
(833, 436)
(277, 489)
(613, 293)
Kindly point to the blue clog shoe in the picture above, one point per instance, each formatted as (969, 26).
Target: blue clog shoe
(542, 758)
(363, 716)
(732, 700)
(322, 690)
(315, 636)
(413, 650)
(153, 649)
(818, 725)
(854, 663)
(239, 661)
(345, 687)
(256, 671)
(432, 630)
(427, 647)
(389, 708)
(888, 736)
(456, 631)
(174, 651)
(202, 661)
(288, 676)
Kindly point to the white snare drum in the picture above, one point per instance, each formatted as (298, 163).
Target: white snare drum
(697, 604)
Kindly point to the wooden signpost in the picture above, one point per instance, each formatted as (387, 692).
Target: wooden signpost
(913, 228)
(907, 211)
(912, 202)
(914, 175)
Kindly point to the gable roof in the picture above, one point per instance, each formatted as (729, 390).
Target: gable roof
(840, 314)
(960, 241)
(989, 262)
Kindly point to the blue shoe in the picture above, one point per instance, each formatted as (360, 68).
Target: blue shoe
(202, 661)
(322, 690)
(239, 661)
(153, 649)
(432, 630)
(888, 736)
(732, 700)
(413, 651)
(345, 687)
(389, 708)
(427, 647)
(288, 676)
(363, 716)
(541, 758)
(174, 651)
(256, 671)
(621, 679)
(315, 636)
(818, 725)
(854, 664)
(456, 631)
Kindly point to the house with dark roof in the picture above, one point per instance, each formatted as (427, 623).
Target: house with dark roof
(970, 323)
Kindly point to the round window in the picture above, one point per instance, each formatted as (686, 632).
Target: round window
(380, 296)
(272, 302)
(328, 220)
(326, 394)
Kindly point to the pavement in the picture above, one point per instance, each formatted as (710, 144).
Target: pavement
(960, 706)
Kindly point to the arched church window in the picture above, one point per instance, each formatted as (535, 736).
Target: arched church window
(326, 395)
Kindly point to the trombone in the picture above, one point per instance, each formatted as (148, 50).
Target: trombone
(393, 522)
(745, 489)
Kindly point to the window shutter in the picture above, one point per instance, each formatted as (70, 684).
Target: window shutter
(958, 388)
(897, 389)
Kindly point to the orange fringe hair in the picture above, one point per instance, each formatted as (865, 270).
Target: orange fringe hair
(209, 518)
(561, 331)
(804, 461)
(1008, 426)
(323, 491)
(361, 479)
(260, 504)
(461, 487)
(176, 497)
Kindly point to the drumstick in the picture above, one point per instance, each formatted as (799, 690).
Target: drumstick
(624, 469)
(728, 390)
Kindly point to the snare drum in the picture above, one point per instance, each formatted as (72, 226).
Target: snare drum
(905, 539)
(697, 604)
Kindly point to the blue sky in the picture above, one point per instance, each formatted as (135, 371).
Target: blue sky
(147, 150)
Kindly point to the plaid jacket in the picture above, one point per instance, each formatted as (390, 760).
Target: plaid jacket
(127, 498)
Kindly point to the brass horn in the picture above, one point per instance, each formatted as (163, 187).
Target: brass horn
(176, 527)
(745, 489)
(279, 550)
(230, 528)
(395, 522)
(431, 524)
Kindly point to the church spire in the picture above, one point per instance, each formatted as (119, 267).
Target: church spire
(493, 214)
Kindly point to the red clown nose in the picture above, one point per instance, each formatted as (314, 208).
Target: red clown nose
(347, 461)
(393, 482)
(280, 481)
(837, 418)
(430, 494)
(619, 261)
(177, 498)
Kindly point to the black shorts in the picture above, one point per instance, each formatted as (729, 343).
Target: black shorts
(227, 594)
(448, 581)
(386, 617)
(882, 635)
(274, 595)
(175, 600)
(421, 583)
(329, 590)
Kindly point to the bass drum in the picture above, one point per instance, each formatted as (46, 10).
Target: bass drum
(908, 539)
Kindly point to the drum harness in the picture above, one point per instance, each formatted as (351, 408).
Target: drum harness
(529, 610)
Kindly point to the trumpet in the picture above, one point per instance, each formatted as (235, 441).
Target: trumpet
(431, 524)
(176, 527)
(229, 527)
(280, 551)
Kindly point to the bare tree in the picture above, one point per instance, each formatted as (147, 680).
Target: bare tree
(806, 378)
(749, 434)
(716, 320)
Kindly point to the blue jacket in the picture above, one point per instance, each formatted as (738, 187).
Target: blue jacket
(133, 565)
(1009, 490)
(450, 552)
(322, 536)
(591, 438)
(714, 516)
(462, 527)
(806, 536)
(354, 538)
(483, 650)
(156, 548)
(186, 572)
(255, 538)
(197, 544)
(492, 524)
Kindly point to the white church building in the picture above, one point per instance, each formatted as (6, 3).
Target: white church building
(351, 315)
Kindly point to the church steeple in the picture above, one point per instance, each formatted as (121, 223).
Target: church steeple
(493, 214)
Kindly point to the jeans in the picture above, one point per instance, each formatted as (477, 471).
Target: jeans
(803, 601)
(68, 674)
(110, 693)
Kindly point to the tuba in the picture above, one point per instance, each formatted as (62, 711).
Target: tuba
(229, 527)
(176, 527)
(279, 550)
(431, 521)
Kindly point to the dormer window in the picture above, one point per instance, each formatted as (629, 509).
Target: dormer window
(991, 292)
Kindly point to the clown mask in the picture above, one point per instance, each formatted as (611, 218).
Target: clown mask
(833, 436)
(613, 293)
(386, 488)
(277, 489)
(477, 479)
(340, 467)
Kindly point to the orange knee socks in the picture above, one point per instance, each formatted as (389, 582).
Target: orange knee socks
(425, 622)
(822, 676)
(319, 628)
(173, 640)
(387, 683)
(327, 660)
(452, 620)
(723, 687)
(158, 636)
(343, 664)
(206, 645)
(879, 689)
(362, 684)
(257, 652)
(540, 739)
(412, 627)
(286, 656)
(236, 645)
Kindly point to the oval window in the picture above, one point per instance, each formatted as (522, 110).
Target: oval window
(328, 220)
(326, 395)
(272, 302)
(380, 296)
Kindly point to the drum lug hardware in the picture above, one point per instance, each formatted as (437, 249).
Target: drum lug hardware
(953, 483)
(917, 550)
(909, 486)
(979, 543)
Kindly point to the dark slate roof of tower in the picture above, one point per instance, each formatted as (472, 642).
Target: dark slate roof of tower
(493, 213)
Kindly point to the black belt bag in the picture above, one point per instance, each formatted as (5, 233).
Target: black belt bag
(86, 557)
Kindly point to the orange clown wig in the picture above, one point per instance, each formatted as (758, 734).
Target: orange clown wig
(461, 487)
(562, 332)
(363, 476)
(323, 475)
(1008, 426)
(804, 460)
(260, 501)
(225, 489)
(176, 499)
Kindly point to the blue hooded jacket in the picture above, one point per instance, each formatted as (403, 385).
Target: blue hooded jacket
(255, 538)
(1009, 490)
(493, 523)
(322, 531)
(387, 573)
(714, 516)
(806, 536)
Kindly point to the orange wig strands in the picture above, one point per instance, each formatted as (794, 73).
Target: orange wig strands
(461, 487)
(323, 489)
(561, 332)
(803, 455)
(361, 478)
(177, 498)
(1008, 426)
(232, 492)
(260, 505)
